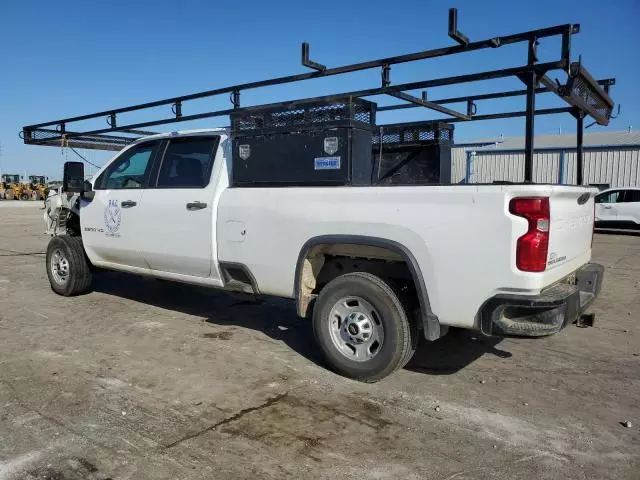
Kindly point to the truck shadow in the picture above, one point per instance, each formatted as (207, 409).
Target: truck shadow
(277, 319)
(453, 352)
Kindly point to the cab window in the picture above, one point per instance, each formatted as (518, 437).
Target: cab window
(609, 197)
(187, 162)
(129, 171)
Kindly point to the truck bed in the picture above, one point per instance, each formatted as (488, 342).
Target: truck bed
(462, 237)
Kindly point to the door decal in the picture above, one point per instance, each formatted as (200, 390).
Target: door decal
(112, 219)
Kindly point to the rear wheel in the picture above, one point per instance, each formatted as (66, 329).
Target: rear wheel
(362, 328)
(67, 266)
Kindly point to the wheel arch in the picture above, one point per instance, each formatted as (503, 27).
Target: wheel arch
(430, 322)
(73, 223)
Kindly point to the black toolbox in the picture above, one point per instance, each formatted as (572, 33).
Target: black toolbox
(417, 153)
(304, 144)
(336, 143)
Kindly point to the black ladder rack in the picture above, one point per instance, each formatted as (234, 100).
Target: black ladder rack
(583, 95)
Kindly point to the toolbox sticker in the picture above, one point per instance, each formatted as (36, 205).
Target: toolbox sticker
(244, 151)
(330, 145)
(327, 163)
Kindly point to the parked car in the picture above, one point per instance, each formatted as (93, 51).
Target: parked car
(618, 208)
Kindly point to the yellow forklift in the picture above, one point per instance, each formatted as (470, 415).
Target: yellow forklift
(11, 188)
(37, 187)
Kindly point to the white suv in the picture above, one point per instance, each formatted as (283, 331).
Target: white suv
(618, 208)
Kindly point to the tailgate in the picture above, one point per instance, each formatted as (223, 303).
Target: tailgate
(571, 229)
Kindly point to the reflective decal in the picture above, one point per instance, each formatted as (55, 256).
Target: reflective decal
(327, 163)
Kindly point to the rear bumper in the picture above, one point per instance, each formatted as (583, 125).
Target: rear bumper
(544, 314)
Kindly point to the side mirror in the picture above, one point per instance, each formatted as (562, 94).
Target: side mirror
(73, 178)
(87, 191)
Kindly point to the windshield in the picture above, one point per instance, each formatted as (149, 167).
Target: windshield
(11, 178)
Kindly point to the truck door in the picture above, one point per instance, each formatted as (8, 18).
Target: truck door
(112, 223)
(179, 208)
(629, 208)
(606, 206)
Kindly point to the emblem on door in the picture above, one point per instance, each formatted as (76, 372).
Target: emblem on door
(112, 218)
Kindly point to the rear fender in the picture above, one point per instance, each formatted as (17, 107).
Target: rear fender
(430, 322)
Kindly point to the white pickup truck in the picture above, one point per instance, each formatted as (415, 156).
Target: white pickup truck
(375, 267)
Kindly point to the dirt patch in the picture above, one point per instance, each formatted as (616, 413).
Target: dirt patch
(87, 465)
(78, 468)
(310, 427)
(226, 335)
(45, 473)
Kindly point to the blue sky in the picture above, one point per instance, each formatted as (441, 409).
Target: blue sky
(66, 58)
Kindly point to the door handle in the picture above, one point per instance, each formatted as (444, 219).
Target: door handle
(128, 204)
(607, 207)
(196, 206)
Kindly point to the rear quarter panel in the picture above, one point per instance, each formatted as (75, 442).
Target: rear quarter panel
(462, 237)
(571, 231)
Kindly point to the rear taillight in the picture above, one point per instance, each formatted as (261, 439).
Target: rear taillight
(533, 246)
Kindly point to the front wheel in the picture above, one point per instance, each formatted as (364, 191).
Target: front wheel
(67, 266)
(362, 328)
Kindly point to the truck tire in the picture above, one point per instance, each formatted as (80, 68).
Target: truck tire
(67, 266)
(362, 328)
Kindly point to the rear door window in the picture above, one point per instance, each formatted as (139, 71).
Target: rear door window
(609, 197)
(187, 162)
(631, 196)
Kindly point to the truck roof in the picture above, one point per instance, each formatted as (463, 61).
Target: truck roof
(185, 133)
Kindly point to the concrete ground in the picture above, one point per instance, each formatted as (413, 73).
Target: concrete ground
(149, 380)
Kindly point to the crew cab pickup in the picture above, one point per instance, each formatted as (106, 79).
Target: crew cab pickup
(375, 267)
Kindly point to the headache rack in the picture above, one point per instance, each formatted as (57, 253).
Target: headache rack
(583, 96)
(296, 115)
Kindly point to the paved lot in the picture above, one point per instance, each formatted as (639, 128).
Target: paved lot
(148, 380)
